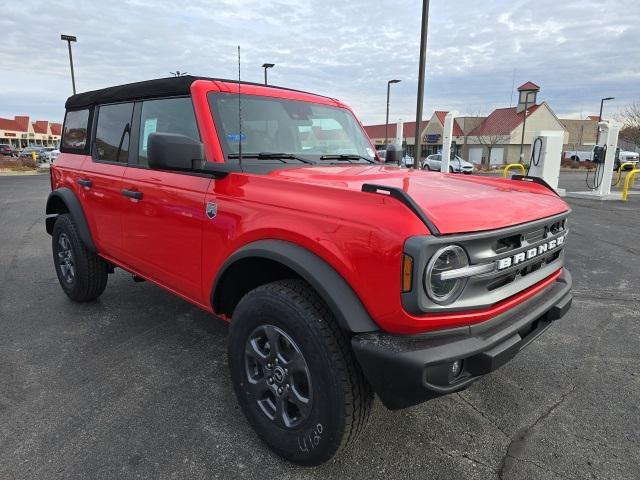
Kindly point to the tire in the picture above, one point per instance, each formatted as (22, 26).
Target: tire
(450, 169)
(323, 370)
(82, 274)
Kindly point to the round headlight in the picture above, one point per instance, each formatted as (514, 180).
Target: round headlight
(444, 291)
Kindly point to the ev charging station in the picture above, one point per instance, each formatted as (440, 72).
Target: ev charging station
(447, 134)
(604, 158)
(399, 130)
(546, 153)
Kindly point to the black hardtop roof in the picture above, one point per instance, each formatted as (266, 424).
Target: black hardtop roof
(160, 87)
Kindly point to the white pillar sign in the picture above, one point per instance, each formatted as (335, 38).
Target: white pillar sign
(447, 134)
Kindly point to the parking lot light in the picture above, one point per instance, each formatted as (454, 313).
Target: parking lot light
(386, 122)
(266, 66)
(421, 74)
(69, 39)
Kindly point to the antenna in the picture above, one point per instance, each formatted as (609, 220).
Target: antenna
(239, 114)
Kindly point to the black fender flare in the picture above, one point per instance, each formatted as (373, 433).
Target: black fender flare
(343, 302)
(70, 200)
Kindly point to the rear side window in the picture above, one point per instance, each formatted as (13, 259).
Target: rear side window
(74, 132)
(170, 115)
(113, 132)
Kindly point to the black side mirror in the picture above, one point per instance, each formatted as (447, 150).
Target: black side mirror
(393, 155)
(171, 151)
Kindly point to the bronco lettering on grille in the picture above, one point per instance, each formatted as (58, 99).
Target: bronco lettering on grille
(531, 253)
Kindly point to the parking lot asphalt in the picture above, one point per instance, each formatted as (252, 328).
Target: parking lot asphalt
(136, 385)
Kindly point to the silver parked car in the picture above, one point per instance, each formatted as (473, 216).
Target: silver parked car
(456, 164)
(50, 154)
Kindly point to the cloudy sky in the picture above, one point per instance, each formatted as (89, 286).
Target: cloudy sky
(577, 51)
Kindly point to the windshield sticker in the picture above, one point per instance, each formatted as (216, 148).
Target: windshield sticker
(370, 152)
(150, 126)
(235, 137)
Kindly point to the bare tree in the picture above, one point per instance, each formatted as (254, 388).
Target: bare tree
(629, 116)
(490, 140)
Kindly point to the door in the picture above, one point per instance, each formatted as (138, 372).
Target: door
(435, 162)
(497, 156)
(162, 223)
(475, 155)
(100, 181)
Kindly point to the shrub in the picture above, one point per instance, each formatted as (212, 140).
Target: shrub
(27, 162)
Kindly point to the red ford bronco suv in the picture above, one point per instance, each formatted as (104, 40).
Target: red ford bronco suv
(340, 275)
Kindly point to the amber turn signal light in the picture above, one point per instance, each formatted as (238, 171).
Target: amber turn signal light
(407, 273)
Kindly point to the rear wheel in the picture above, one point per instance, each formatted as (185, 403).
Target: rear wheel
(82, 274)
(294, 373)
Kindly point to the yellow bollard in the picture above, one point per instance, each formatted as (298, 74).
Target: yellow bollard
(628, 178)
(621, 169)
(513, 165)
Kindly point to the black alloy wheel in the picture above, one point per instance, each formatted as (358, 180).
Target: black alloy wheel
(278, 376)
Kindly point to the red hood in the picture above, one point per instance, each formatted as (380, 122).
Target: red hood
(455, 203)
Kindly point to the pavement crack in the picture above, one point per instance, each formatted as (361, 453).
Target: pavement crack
(518, 441)
(467, 457)
(482, 414)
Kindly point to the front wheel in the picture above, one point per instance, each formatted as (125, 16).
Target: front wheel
(294, 373)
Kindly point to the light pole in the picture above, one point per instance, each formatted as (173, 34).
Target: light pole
(266, 66)
(386, 123)
(423, 61)
(524, 126)
(600, 116)
(69, 39)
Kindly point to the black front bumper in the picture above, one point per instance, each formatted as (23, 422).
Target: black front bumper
(407, 370)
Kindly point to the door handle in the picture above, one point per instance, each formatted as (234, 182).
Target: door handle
(132, 194)
(85, 183)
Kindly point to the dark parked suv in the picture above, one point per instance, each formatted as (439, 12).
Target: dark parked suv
(7, 150)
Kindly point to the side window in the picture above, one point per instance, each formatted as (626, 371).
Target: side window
(170, 115)
(113, 131)
(74, 132)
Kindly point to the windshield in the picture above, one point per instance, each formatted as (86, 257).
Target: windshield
(274, 125)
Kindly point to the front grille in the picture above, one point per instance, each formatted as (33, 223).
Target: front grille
(491, 247)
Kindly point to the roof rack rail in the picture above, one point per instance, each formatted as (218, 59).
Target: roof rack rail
(405, 198)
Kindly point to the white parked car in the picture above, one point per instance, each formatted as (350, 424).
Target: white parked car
(50, 154)
(407, 161)
(622, 156)
(456, 164)
(578, 155)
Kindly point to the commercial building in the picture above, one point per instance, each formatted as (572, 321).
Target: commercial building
(496, 138)
(20, 132)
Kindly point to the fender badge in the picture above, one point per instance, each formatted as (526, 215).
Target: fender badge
(212, 209)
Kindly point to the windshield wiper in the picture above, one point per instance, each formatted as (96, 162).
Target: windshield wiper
(271, 156)
(346, 157)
